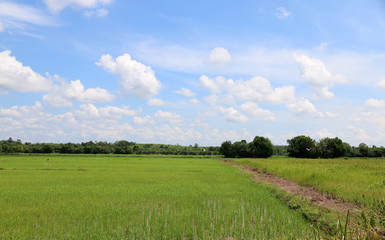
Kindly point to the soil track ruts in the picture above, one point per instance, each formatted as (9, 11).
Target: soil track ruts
(311, 193)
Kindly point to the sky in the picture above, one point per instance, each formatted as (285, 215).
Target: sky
(186, 72)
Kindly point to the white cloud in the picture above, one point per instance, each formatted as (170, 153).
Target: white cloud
(194, 101)
(15, 15)
(100, 13)
(91, 112)
(381, 84)
(1, 27)
(17, 77)
(58, 5)
(155, 102)
(147, 120)
(356, 134)
(282, 13)
(168, 117)
(256, 89)
(232, 115)
(186, 92)
(253, 109)
(215, 99)
(302, 107)
(219, 56)
(136, 79)
(321, 47)
(374, 103)
(63, 94)
(315, 73)
(324, 133)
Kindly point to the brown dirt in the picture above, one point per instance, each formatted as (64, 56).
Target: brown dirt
(311, 193)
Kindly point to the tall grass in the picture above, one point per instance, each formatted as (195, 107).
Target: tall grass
(358, 180)
(121, 197)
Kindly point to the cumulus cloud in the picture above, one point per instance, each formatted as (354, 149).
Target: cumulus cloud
(381, 84)
(155, 102)
(324, 133)
(194, 101)
(62, 95)
(282, 13)
(58, 5)
(185, 92)
(256, 89)
(253, 109)
(32, 123)
(232, 115)
(100, 13)
(219, 56)
(318, 76)
(168, 117)
(17, 77)
(374, 103)
(302, 107)
(136, 79)
(147, 120)
(90, 111)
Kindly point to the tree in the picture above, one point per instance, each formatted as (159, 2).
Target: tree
(331, 148)
(240, 149)
(363, 149)
(261, 147)
(301, 147)
(225, 149)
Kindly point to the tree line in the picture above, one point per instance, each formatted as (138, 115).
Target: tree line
(11, 146)
(299, 147)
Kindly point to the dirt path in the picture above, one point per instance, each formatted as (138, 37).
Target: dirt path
(311, 193)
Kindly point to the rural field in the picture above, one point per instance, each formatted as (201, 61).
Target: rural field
(357, 180)
(138, 197)
(360, 181)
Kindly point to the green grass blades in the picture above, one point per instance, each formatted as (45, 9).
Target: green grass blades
(137, 197)
(358, 180)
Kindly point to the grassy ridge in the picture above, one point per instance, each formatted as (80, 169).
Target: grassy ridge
(135, 198)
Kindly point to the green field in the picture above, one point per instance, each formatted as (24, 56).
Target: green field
(358, 180)
(137, 197)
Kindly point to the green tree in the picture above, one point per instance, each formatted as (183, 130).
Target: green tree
(363, 149)
(301, 147)
(331, 148)
(261, 147)
(240, 149)
(225, 149)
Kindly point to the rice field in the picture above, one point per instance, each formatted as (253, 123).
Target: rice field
(137, 197)
(358, 180)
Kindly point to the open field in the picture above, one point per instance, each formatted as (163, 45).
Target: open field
(357, 180)
(137, 197)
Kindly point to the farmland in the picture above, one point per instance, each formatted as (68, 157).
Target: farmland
(137, 197)
(357, 180)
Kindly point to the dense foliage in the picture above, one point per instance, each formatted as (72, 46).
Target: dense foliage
(260, 147)
(305, 147)
(119, 147)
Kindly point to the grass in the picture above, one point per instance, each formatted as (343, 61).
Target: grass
(137, 197)
(358, 180)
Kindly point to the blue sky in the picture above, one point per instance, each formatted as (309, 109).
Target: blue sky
(186, 72)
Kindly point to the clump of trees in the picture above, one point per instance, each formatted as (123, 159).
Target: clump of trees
(260, 147)
(299, 147)
(11, 146)
(306, 147)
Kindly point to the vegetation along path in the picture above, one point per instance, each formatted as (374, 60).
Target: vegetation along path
(311, 193)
